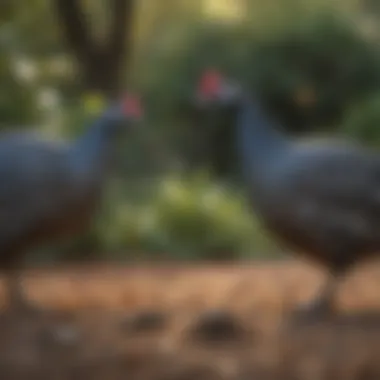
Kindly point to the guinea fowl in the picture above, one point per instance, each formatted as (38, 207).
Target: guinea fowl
(322, 198)
(50, 190)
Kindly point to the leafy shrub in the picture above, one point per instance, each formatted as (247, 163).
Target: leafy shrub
(17, 100)
(362, 121)
(322, 50)
(183, 218)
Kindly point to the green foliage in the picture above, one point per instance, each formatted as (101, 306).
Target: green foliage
(17, 104)
(183, 218)
(362, 121)
(17, 101)
(323, 53)
(326, 56)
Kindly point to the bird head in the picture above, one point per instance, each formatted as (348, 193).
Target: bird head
(127, 110)
(214, 89)
(120, 115)
(130, 108)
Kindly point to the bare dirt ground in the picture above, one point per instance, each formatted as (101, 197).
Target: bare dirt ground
(191, 322)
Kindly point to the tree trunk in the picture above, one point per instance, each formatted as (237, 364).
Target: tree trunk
(99, 65)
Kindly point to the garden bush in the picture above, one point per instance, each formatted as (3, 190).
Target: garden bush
(182, 218)
(362, 121)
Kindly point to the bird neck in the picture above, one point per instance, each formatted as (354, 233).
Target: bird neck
(259, 140)
(94, 151)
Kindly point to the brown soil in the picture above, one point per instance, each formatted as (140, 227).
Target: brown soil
(193, 322)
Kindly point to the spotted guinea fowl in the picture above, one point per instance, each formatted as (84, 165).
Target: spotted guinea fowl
(50, 190)
(321, 198)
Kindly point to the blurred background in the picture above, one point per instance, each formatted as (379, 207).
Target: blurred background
(177, 193)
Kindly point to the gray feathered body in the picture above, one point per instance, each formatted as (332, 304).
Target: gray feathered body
(50, 189)
(321, 198)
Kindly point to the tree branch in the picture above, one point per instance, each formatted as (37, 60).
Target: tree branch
(75, 29)
(119, 41)
(100, 65)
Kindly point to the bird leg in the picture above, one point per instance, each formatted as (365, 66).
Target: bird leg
(323, 305)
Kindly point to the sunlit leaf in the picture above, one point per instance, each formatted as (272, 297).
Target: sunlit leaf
(93, 103)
